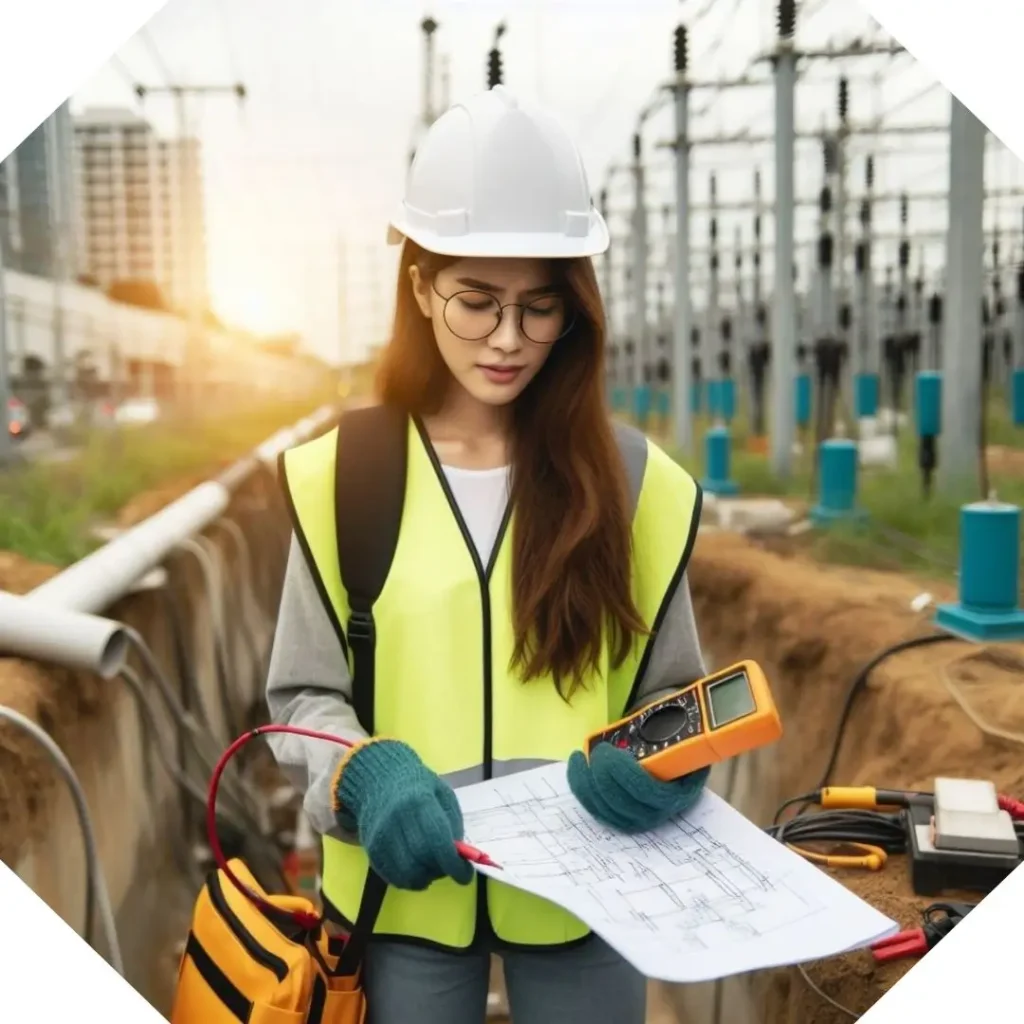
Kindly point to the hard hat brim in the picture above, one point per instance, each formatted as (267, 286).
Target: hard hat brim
(508, 245)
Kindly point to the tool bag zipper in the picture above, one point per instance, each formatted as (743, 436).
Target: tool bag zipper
(259, 953)
(233, 1000)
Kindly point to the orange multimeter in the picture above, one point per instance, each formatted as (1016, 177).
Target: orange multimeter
(725, 714)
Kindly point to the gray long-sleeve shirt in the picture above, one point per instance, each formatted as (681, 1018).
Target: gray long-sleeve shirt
(309, 683)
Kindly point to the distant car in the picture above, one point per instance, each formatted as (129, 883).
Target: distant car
(137, 411)
(19, 423)
(60, 417)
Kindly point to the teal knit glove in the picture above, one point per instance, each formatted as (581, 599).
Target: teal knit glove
(615, 789)
(407, 818)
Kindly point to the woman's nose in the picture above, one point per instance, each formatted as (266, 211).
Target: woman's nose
(507, 337)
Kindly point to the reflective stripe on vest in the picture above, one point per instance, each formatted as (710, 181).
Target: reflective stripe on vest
(443, 683)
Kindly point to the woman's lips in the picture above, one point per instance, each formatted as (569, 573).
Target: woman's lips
(501, 374)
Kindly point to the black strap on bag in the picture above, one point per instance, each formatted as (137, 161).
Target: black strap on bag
(369, 495)
(354, 948)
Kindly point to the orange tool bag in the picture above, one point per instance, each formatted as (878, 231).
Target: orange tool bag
(267, 959)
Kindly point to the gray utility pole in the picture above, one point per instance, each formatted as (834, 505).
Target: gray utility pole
(640, 332)
(961, 340)
(195, 347)
(58, 223)
(783, 361)
(865, 356)
(711, 350)
(428, 27)
(607, 268)
(682, 323)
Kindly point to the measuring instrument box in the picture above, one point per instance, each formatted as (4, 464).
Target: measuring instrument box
(960, 839)
(723, 715)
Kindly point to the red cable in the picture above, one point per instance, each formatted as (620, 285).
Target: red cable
(302, 918)
(900, 946)
(1012, 806)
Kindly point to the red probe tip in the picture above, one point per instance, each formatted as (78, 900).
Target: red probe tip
(475, 856)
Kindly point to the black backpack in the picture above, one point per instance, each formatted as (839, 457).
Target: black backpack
(371, 463)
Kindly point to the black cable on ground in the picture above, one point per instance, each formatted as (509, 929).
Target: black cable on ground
(857, 685)
(885, 830)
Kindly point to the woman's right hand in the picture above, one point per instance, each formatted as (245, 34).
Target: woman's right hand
(407, 818)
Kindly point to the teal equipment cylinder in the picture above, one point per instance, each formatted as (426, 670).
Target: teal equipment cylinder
(989, 556)
(928, 403)
(803, 399)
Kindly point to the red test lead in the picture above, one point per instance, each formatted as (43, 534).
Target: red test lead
(475, 856)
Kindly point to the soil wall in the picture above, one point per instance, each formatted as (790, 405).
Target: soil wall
(812, 628)
(138, 812)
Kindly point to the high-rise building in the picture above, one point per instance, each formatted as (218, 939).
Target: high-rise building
(140, 206)
(37, 200)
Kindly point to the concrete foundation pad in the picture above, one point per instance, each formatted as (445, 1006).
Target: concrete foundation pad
(723, 488)
(744, 515)
(822, 516)
(977, 626)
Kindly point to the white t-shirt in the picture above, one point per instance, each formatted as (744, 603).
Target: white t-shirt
(482, 497)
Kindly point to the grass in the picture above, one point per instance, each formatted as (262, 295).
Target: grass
(903, 529)
(48, 510)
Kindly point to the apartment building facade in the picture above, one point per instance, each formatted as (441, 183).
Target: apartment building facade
(140, 206)
(38, 202)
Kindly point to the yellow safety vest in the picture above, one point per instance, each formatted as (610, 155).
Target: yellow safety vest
(443, 683)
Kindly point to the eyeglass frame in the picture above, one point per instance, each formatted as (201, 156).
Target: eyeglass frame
(523, 306)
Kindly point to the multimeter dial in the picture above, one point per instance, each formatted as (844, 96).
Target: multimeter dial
(663, 725)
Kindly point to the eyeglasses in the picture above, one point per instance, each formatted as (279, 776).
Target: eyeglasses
(474, 315)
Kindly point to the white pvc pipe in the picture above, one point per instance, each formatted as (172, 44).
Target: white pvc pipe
(98, 580)
(103, 577)
(46, 633)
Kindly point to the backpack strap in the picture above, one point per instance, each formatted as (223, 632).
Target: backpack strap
(369, 495)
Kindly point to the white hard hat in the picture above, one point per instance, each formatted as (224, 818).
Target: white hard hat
(493, 177)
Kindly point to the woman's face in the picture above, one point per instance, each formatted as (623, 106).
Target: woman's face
(495, 321)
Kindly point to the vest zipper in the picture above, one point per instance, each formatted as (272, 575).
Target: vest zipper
(258, 952)
(483, 578)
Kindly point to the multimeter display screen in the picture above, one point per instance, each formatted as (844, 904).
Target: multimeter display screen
(730, 699)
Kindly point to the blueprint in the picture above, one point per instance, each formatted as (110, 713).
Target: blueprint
(706, 896)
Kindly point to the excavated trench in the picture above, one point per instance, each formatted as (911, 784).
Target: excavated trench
(138, 812)
(811, 627)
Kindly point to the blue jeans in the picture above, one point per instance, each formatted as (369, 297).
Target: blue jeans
(585, 984)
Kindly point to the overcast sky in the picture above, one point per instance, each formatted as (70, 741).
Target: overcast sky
(314, 162)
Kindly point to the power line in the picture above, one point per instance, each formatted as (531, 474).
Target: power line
(119, 66)
(161, 67)
(222, 17)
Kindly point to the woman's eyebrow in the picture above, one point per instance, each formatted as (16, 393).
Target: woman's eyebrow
(483, 286)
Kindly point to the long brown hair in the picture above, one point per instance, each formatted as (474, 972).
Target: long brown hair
(572, 540)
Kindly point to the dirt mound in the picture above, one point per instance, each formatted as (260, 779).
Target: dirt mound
(813, 628)
(147, 504)
(19, 575)
(63, 702)
(1004, 460)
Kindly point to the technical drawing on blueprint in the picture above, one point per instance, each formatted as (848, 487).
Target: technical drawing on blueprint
(703, 897)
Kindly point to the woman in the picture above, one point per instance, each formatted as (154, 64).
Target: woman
(536, 591)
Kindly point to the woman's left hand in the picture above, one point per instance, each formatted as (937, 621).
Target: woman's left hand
(613, 787)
